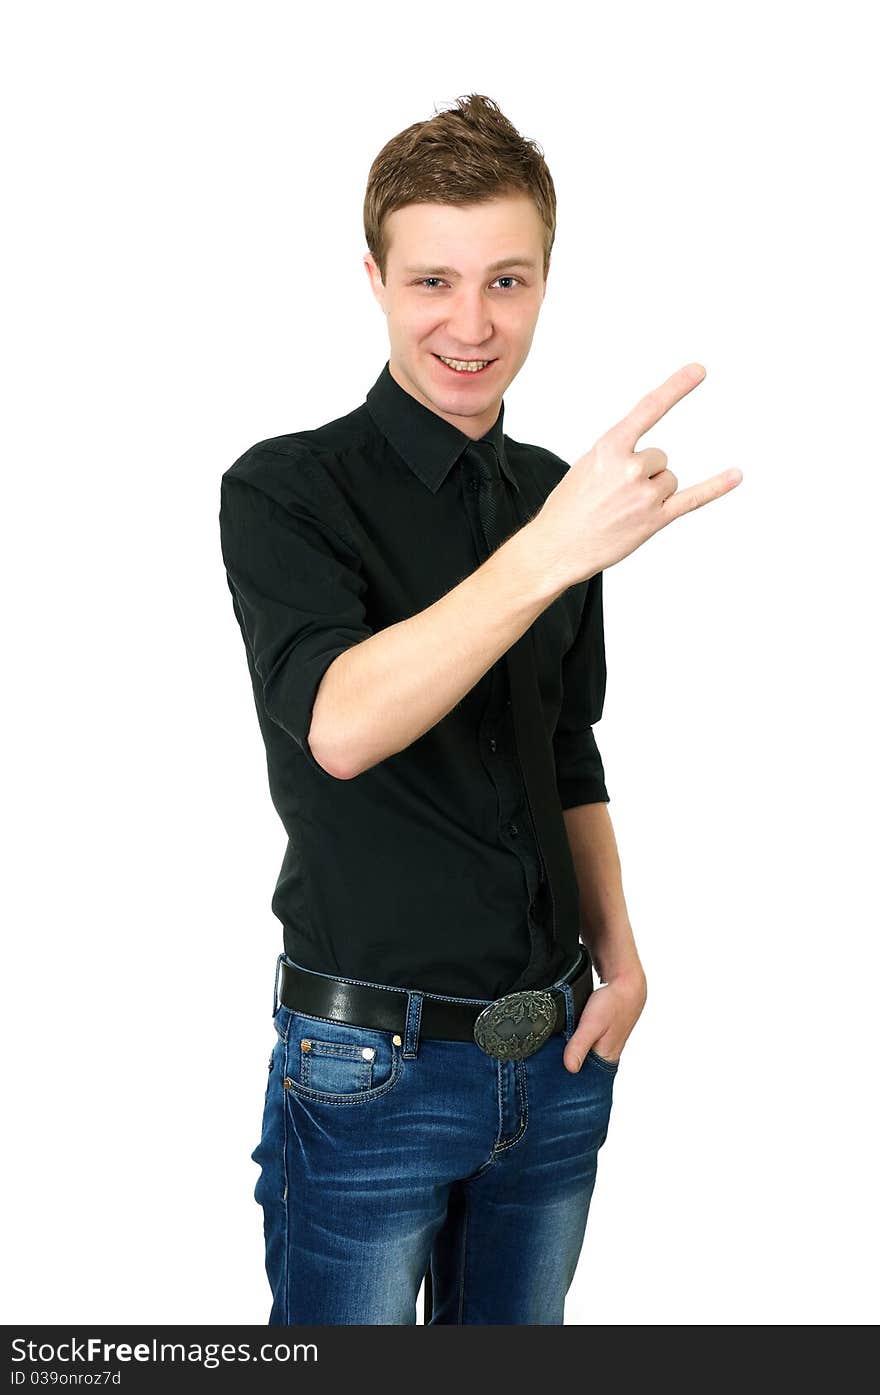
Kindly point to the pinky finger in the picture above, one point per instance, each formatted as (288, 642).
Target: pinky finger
(686, 500)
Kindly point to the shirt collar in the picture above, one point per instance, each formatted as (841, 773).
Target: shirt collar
(428, 443)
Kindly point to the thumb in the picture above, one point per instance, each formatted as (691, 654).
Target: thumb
(577, 1048)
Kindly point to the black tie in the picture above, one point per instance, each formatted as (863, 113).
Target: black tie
(499, 521)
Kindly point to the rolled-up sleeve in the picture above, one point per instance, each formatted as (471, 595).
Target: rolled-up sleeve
(580, 775)
(298, 594)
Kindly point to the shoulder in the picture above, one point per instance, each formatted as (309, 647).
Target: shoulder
(292, 480)
(281, 467)
(299, 468)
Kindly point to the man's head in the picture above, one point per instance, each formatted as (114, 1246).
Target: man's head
(447, 200)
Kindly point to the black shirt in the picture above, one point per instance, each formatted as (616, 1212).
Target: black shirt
(421, 871)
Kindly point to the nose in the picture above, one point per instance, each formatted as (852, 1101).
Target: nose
(470, 322)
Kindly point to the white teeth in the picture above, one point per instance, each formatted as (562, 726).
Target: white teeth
(463, 366)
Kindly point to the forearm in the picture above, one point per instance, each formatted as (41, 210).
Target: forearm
(385, 692)
(605, 926)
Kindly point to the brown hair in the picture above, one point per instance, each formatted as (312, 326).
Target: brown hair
(468, 153)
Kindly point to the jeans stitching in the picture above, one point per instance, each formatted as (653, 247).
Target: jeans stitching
(464, 1257)
(285, 1144)
(346, 1052)
(568, 997)
(609, 1066)
(327, 1097)
(520, 1077)
(336, 1022)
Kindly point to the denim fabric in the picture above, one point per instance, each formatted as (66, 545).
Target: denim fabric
(377, 1158)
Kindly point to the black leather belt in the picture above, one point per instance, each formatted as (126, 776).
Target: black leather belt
(508, 1028)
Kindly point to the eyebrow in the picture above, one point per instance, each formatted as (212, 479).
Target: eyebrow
(526, 262)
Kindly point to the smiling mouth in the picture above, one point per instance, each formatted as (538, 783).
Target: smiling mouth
(465, 368)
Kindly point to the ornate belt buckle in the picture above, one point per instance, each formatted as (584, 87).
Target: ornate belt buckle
(516, 1025)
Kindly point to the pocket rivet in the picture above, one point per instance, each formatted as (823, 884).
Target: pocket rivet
(397, 1040)
(287, 1082)
(368, 1053)
(306, 1045)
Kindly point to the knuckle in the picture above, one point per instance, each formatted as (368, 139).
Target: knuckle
(632, 471)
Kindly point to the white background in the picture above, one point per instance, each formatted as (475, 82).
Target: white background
(183, 278)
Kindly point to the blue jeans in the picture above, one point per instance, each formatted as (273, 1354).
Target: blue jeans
(378, 1158)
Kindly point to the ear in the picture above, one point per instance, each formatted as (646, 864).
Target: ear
(375, 279)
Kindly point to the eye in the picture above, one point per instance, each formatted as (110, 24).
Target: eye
(425, 279)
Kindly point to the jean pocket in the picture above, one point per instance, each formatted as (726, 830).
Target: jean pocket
(603, 1061)
(339, 1063)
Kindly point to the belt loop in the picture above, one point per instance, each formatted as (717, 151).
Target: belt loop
(565, 990)
(275, 1002)
(413, 1023)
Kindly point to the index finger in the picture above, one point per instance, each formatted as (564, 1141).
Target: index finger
(656, 404)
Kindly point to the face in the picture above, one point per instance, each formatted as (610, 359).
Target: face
(444, 297)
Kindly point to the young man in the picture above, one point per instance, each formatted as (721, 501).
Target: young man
(420, 597)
